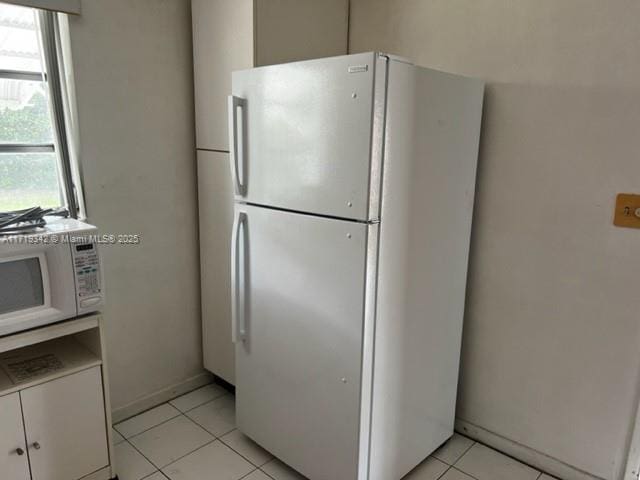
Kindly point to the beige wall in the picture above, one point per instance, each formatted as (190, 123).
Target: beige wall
(550, 354)
(134, 82)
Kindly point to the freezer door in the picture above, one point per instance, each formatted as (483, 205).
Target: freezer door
(301, 135)
(299, 294)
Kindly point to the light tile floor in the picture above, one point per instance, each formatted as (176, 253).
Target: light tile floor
(193, 437)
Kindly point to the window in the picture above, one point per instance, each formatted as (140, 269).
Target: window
(35, 164)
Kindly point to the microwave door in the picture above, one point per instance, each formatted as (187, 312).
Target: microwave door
(36, 286)
(21, 284)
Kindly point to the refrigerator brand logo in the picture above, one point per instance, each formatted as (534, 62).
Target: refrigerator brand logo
(358, 68)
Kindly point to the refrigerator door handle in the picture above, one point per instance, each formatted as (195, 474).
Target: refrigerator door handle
(236, 103)
(238, 276)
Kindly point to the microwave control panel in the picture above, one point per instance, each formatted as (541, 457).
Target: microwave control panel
(86, 263)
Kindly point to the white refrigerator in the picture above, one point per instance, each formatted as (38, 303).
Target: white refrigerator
(354, 183)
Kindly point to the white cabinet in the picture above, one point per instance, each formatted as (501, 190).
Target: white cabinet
(291, 30)
(233, 35)
(14, 463)
(215, 206)
(65, 426)
(54, 404)
(222, 43)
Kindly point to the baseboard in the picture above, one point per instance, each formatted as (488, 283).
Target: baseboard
(149, 401)
(522, 453)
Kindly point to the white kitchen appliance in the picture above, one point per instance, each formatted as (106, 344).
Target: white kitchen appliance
(49, 275)
(354, 186)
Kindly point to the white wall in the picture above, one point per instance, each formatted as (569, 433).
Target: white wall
(134, 82)
(550, 354)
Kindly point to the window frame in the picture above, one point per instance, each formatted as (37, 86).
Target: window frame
(50, 42)
(25, 147)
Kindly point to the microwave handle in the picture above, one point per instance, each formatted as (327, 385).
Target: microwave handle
(236, 103)
(238, 277)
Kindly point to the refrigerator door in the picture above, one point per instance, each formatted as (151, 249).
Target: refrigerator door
(298, 318)
(301, 135)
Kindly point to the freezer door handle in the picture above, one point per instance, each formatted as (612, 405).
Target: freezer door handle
(237, 163)
(238, 277)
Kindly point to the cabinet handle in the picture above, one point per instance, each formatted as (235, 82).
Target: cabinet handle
(36, 445)
(19, 451)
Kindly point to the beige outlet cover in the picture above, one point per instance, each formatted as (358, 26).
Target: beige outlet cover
(627, 210)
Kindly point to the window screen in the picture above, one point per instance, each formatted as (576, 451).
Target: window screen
(20, 285)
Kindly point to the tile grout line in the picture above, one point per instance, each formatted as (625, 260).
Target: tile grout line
(181, 413)
(259, 467)
(187, 454)
(143, 456)
(477, 443)
(266, 473)
(219, 438)
(168, 402)
(160, 468)
(191, 421)
(147, 429)
(463, 472)
(201, 446)
(142, 412)
(235, 451)
(200, 404)
(473, 442)
(514, 458)
(256, 467)
(245, 476)
(215, 437)
(157, 471)
(269, 476)
(210, 433)
(276, 459)
(458, 469)
(449, 467)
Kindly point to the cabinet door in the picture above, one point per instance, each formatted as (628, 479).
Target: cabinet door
(215, 205)
(65, 426)
(13, 451)
(222, 42)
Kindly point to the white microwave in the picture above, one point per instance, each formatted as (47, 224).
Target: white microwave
(50, 275)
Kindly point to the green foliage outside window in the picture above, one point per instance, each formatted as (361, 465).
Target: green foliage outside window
(27, 179)
(30, 124)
